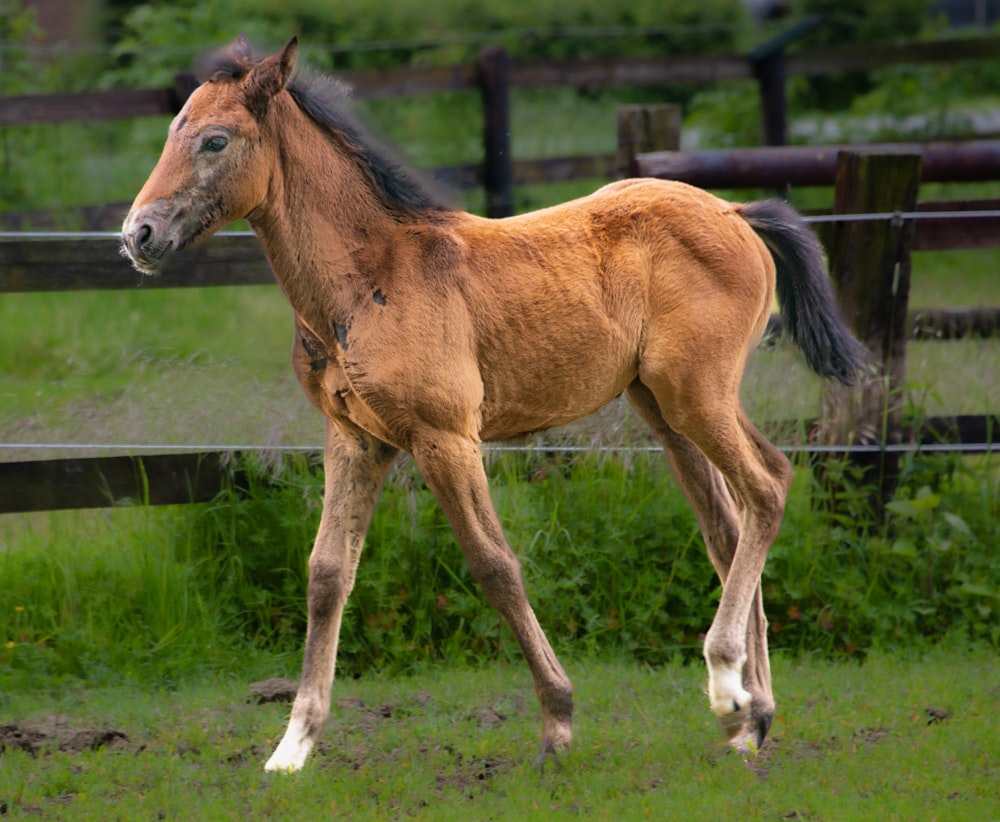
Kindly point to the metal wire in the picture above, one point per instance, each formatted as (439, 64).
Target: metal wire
(894, 216)
(136, 448)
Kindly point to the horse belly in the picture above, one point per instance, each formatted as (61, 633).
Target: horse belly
(555, 392)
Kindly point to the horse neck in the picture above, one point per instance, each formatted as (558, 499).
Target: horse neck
(321, 217)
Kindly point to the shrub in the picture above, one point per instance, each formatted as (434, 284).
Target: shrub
(613, 561)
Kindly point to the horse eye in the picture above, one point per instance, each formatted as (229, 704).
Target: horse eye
(215, 144)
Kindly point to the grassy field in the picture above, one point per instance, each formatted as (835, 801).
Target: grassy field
(903, 736)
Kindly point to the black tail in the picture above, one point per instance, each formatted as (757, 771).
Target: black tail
(807, 304)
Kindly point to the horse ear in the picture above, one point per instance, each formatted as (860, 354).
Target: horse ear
(270, 76)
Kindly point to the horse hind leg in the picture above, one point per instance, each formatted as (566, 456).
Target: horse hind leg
(719, 517)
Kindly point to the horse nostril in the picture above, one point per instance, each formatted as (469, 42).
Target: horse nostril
(145, 235)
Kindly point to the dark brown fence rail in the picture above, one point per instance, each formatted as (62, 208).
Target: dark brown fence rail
(970, 161)
(72, 262)
(103, 482)
(584, 74)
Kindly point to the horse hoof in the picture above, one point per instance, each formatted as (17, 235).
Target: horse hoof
(748, 738)
(552, 750)
(545, 756)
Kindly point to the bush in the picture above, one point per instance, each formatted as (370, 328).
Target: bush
(610, 551)
(613, 561)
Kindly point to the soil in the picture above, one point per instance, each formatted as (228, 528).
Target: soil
(55, 733)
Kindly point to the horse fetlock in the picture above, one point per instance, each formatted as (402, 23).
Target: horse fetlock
(304, 728)
(558, 731)
(725, 687)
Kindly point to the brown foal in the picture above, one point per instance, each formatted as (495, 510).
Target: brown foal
(432, 330)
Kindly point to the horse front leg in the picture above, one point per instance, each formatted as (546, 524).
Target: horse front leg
(453, 468)
(355, 465)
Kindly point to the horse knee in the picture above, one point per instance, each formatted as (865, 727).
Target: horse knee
(329, 586)
(499, 575)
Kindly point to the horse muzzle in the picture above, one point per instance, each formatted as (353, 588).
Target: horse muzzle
(147, 240)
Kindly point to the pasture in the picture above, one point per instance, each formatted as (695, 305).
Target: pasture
(908, 735)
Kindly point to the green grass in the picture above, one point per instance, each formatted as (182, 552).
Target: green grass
(612, 560)
(851, 741)
(153, 620)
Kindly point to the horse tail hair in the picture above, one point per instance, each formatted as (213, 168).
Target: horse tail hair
(808, 306)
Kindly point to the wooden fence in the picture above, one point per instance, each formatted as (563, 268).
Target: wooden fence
(494, 75)
(91, 261)
(88, 261)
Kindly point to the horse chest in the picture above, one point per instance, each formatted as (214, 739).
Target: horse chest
(320, 370)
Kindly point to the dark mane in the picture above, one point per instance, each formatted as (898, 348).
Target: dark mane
(327, 101)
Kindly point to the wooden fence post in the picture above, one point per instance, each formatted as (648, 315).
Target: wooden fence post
(870, 267)
(498, 168)
(768, 62)
(642, 129)
(183, 87)
(769, 70)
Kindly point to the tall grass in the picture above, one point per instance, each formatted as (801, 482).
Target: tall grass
(611, 555)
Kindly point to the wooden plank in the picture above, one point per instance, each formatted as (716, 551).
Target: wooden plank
(944, 233)
(633, 71)
(871, 56)
(103, 482)
(70, 262)
(645, 128)
(963, 429)
(564, 169)
(410, 81)
(33, 109)
(953, 323)
(415, 80)
(773, 167)
(104, 217)
(771, 72)
(933, 324)
(389, 83)
(179, 479)
(494, 89)
(469, 176)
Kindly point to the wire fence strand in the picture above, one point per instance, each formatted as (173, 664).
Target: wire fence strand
(140, 448)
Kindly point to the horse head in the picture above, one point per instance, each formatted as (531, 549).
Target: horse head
(215, 165)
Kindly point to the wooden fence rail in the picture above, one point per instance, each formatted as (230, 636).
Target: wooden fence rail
(103, 482)
(92, 262)
(407, 81)
(67, 262)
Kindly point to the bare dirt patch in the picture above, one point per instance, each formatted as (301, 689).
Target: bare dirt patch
(56, 733)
